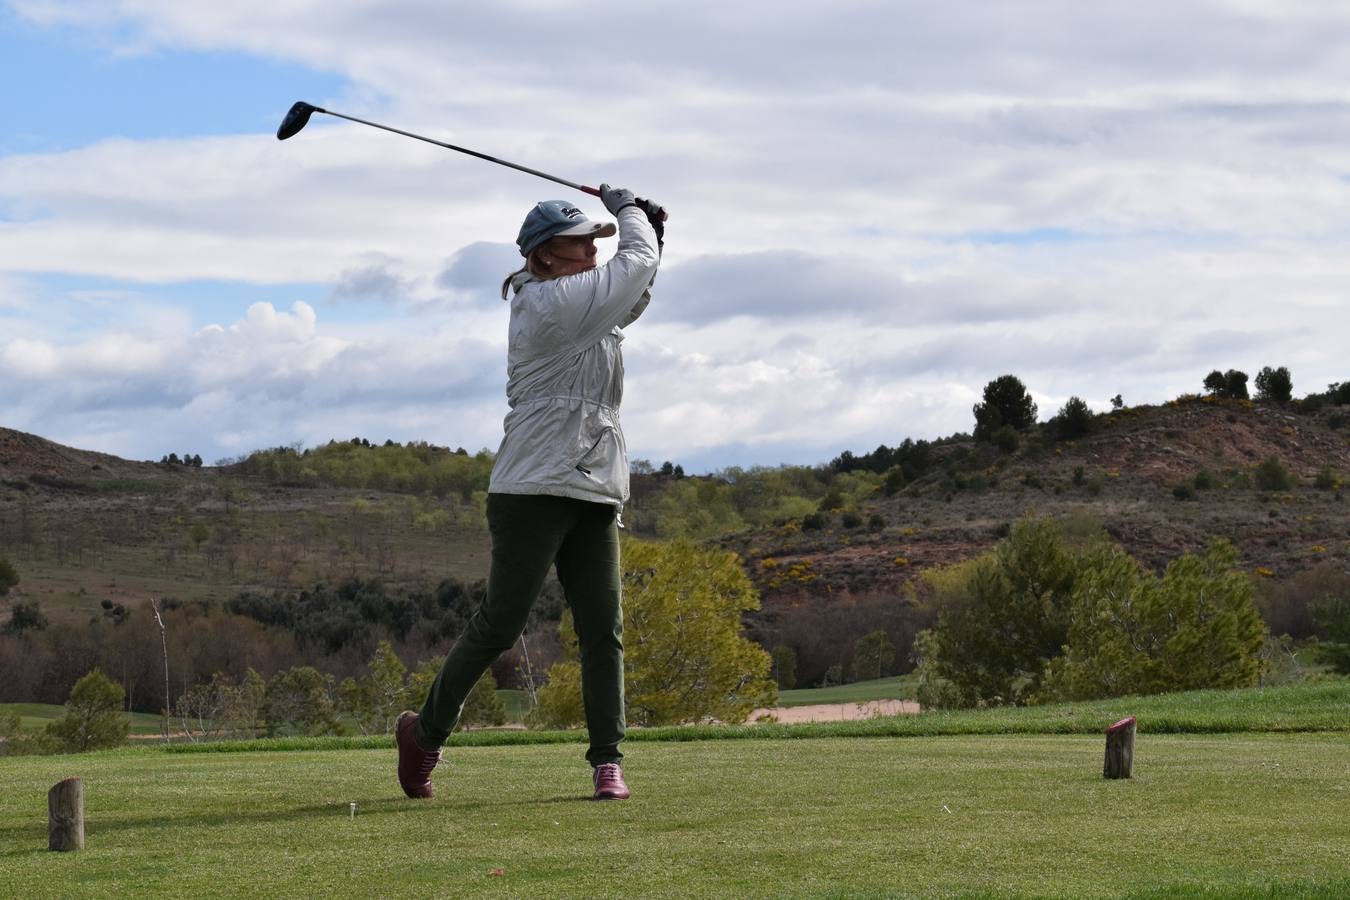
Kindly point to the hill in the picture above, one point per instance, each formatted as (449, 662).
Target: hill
(84, 528)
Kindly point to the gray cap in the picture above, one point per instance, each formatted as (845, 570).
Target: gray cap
(554, 218)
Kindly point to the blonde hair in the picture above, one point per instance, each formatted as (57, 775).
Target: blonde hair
(534, 265)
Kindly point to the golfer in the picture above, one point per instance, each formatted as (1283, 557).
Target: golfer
(561, 475)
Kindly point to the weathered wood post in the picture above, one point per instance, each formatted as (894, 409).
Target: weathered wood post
(1119, 749)
(65, 815)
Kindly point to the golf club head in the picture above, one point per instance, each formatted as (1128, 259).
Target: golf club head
(296, 118)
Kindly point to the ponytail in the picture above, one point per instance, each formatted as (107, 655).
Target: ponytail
(533, 265)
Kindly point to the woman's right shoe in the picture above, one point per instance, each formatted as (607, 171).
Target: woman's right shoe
(414, 763)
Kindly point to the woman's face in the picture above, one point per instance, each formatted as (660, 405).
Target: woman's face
(569, 255)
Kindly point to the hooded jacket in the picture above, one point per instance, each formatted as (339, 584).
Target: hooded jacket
(565, 373)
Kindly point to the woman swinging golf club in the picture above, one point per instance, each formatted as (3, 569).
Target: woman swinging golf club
(561, 475)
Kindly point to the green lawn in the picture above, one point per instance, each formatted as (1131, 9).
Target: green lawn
(37, 715)
(899, 687)
(1225, 815)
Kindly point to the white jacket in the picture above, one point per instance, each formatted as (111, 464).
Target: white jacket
(565, 374)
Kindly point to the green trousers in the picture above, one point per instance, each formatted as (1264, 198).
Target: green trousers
(529, 534)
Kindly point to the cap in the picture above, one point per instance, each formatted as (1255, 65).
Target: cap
(554, 218)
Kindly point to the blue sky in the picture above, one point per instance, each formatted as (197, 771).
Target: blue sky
(876, 208)
(67, 87)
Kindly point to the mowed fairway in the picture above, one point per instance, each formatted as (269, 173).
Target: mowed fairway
(1008, 815)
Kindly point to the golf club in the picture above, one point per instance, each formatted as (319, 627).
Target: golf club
(298, 117)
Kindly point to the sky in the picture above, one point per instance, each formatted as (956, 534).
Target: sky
(875, 209)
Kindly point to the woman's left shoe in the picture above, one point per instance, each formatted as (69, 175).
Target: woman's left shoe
(609, 782)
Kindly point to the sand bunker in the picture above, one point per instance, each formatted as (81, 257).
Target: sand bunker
(836, 712)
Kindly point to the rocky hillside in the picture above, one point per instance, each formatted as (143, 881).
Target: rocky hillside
(1162, 480)
(27, 456)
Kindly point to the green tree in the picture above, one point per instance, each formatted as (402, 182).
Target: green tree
(94, 718)
(1074, 420)
(685, 658)
(242, 704)
(484, 705)
(420, 681)
(374, 701)
(784, 667)
(1332, 615)
(696, 508)
(1231, 384)
(299, 701)
(1006, 402)
(25, 615)
(8, 577)
(1134, 633)
(1000, 616)
(873, 655)
(198, 533)
(1274, 385)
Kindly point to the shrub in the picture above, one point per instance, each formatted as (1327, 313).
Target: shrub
(1005, 439)
(815, 521)
(25, 616)
(300, 701)
(1184, 491)
(1073, 420)
(15, 740)
(1332, 615)
(1131, 632)
(875, 522)
(1327, 479)
(1205, 481)
(686, 659)
(1271, 475)
(94, 717)
(483, 707)
(833, 499)
(851, 519)
(8, 577)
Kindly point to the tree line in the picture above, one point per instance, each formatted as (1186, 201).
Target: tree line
(687, 660)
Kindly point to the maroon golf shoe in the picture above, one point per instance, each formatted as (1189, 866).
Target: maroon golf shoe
(414, 763)
(609, 782)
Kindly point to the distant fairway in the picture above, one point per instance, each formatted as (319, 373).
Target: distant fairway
(37, 715)
(1237, 814)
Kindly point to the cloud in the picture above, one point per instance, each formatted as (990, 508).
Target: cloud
(875, 208)
(374, 282)
(479, 267)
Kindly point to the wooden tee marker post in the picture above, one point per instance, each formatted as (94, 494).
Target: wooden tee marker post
(65, 815)
(1119, 749)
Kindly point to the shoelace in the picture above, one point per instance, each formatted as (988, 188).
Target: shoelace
(607, 774)
(427, 763)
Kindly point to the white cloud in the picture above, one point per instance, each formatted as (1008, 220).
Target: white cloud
(875, 208)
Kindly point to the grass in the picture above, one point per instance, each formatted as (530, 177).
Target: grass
(38, 715)
(899, 687)
(1230, 815)
(1319, 706)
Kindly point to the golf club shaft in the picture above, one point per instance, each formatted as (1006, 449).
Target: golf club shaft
(594, 192)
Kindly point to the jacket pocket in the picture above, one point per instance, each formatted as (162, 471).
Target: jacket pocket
(599, 458)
